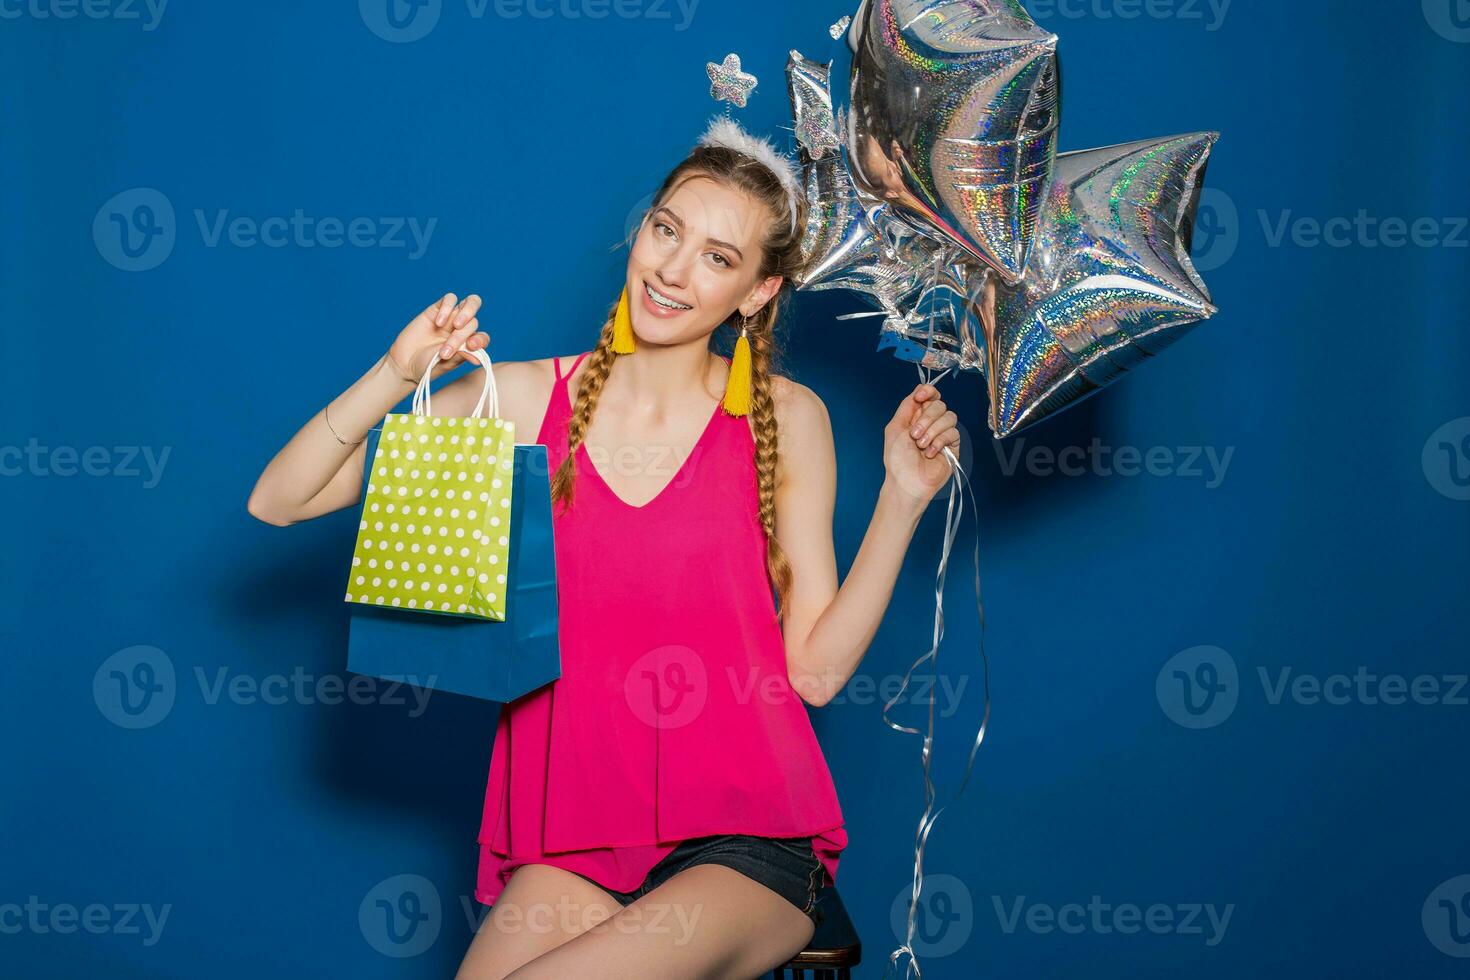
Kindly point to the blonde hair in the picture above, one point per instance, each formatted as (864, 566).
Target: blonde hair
(781, 255)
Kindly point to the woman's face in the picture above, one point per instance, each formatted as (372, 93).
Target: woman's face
(695, 261)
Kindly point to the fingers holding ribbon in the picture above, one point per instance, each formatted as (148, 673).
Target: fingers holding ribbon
(935, 426)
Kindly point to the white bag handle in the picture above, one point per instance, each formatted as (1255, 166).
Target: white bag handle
(489, 396)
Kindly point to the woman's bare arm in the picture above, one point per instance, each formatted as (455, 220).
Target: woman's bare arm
(315, 474)
(827, 628)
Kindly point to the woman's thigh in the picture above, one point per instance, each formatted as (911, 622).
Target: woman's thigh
(706, 922)
(541, 908)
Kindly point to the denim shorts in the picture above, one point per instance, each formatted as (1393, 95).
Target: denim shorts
(786, 865)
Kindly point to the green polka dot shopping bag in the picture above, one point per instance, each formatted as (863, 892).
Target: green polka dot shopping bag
(435, 528)
(453, 578)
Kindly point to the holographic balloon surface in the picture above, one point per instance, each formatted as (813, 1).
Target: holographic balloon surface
(946, 206)
(954, 112)
(1109, 282)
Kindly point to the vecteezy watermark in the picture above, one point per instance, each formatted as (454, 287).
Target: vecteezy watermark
(137, 687)
(136, 230)
(633, 221)
(1207, 463)
(567, 917)
(1200, 688)
(400, 21)
(146, 12)
(1219, 228)
(405, 21)
(1216, 230)
(1104, 918)
(64, 918)
(1450, 19)
(944, 917)
(1363, 687)
(670, 686)
(1364, 230)
(1208, 13)
(401, 916)
(1446, 459)
(35, 459)
(667, 687)
(1446, 917)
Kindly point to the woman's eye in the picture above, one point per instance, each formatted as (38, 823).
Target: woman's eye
(665, 227)
(720, 258)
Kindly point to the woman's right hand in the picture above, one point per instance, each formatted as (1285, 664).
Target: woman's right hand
(444, 326)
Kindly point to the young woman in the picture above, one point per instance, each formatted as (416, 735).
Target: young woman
(663, 809)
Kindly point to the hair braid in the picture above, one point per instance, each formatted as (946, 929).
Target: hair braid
(589, 390)
(765, 432)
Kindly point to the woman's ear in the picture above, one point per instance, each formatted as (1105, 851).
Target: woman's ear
(762, 293)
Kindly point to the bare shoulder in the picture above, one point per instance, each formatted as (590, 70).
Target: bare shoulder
(523, 388)
(529, 387)
(804, 445)
(800, 411)
(527, 378)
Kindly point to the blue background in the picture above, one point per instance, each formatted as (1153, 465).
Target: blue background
(1332, 545)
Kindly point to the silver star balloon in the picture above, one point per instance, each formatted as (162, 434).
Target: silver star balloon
(837, 238)
(943, 328)
(855, 243)
(849, 243)
(811, 105)
(728, 83)
(1108, 284)
(955, 107)
(817, 137)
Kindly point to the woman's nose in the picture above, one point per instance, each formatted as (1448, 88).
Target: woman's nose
(674, 270)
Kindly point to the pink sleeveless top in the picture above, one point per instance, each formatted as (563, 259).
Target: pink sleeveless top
(673, 717)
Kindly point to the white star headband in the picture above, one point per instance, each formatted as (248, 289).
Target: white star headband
(724, 131)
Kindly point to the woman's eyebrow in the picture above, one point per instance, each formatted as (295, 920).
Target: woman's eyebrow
(680, 222)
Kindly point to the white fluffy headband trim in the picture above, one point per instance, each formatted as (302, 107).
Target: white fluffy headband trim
(724, 131)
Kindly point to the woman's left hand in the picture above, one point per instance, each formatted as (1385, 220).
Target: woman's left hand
(914, 442)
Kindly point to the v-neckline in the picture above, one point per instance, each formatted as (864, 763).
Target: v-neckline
(586, 458)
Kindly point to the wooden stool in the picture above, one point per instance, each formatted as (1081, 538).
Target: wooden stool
(834, 949)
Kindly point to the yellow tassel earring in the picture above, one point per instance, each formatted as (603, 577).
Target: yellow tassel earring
(623, 327)
(737, 386)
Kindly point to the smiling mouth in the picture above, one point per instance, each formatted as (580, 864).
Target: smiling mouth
(664, 301)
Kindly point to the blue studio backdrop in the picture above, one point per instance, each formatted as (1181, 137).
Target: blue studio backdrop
(1225, 597)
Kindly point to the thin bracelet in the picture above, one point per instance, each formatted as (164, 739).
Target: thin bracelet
(334, 431)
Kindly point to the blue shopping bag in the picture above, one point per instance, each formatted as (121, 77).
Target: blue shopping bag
(497, 661)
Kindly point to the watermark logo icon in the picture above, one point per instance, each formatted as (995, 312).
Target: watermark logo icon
(401, 916)
(944, 918)
(135, 687)
(634, 220)
(1199, 687)
(1446, 459)
(667, 687)
(1446, 917)
(1216, 230)
(1450, 19)
(135, 230)
(400, 21)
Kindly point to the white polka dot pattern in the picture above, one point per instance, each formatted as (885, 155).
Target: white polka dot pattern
(434, 532)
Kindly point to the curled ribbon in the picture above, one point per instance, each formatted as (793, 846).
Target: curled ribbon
(958, 482)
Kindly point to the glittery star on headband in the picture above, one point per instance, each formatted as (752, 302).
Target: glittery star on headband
(728, 83)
